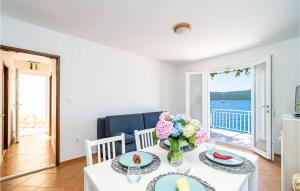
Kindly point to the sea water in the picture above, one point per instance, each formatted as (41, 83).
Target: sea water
(240, 124)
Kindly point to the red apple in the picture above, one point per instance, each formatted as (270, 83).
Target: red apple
(136, 159)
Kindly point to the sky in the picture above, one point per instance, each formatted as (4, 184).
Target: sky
(228, 82)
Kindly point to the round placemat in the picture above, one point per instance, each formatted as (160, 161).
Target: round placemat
(166, 147)
(151, 185)
(246, 168)
(117, 167)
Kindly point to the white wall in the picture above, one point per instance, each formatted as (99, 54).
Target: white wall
(286, 75)
(95, 81)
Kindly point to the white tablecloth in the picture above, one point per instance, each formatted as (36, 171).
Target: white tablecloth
(101, 177)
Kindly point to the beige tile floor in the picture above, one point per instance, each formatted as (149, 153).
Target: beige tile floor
(31, 152)
(68, 176)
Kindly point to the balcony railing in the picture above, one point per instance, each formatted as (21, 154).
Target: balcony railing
(234, 120)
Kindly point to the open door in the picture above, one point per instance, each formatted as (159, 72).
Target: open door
(197, 97)
(262, 108)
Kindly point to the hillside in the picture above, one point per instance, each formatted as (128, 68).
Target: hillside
(233, 95)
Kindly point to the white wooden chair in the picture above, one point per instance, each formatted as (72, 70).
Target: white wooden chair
(143, 138)
(106, 143)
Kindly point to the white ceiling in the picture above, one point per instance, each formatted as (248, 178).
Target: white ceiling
(145, 26)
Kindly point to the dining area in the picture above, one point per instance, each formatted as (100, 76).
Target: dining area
(175, 155)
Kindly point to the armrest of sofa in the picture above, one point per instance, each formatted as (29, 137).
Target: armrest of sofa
(151, 119)
(100, 128)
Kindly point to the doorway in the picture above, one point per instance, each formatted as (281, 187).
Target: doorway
(33, 117)
(242, 117)
(33, 113)
(230, 106)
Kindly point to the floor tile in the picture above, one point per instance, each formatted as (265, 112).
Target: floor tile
(32, 152)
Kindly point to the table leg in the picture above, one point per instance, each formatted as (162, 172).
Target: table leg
(86, 184)
(253, 180)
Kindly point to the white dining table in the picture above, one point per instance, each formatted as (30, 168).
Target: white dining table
(101, 177)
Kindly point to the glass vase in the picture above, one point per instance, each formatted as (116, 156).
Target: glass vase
(175, 154)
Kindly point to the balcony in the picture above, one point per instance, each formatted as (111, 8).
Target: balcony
(231, 126)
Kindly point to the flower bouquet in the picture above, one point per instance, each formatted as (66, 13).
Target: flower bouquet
(178, 129)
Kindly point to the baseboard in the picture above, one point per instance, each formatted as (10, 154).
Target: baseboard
(73, 159)
(277, 157)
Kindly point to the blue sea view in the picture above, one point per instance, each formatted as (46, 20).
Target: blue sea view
(225, 116)
(231, 104)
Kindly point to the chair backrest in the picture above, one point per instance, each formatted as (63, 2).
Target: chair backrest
(143, 138)
(106, 143)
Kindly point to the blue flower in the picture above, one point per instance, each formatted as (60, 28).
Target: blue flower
(175, 120)
(181, 116)
(177, 129)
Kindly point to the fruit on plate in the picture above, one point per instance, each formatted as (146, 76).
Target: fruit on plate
(182, 184)
(221, 156)
(136, 159)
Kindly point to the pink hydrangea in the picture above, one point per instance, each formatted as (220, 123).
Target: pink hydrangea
(164, 129)
(201, 137)
(165, 116)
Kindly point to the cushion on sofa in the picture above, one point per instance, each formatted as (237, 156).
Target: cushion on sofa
(150, 119)
(123, 123)
(128, 138)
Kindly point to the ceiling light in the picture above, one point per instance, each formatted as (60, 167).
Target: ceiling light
(182, 28)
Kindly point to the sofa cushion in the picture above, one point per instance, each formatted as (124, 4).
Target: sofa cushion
(150, 119)
(129, 138)
(123, 123)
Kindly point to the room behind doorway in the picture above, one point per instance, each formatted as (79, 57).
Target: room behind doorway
(32, 116)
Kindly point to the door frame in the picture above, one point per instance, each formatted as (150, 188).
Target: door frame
(50, 103)
(57, 123)
(220, 68)
(5, 105)
(224, 68)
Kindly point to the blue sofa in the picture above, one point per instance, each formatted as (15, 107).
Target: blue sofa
(115, 125)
